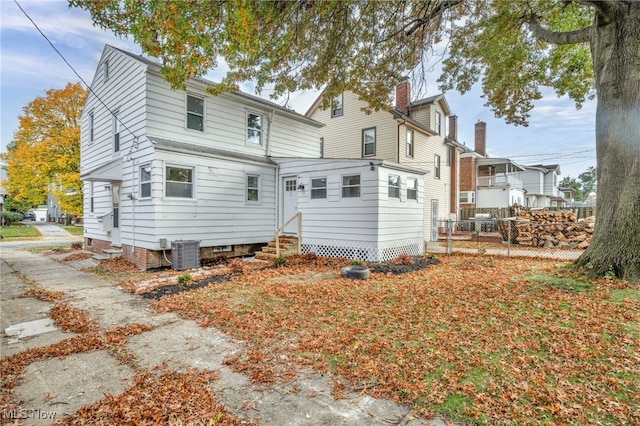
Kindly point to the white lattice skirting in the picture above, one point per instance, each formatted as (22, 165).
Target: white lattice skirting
(367, 251)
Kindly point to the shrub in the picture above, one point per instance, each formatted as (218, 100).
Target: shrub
(357, 263)
(185, 279)
(403, 259)
(76, 246)
(235, 266)
(8, 218)
(279, 261)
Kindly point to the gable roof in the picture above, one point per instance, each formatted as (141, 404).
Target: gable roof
(432, 100)
(252, 99)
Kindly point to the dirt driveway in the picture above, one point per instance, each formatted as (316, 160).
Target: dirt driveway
(57, 387)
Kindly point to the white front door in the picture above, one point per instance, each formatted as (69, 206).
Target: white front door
(115, 231)
(289, 203)
(434, 220)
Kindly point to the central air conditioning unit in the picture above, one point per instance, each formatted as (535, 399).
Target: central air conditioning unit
(185, 254)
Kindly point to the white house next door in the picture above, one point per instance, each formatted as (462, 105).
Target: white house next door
(289, 203)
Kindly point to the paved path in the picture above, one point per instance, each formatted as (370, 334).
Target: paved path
(62, 386)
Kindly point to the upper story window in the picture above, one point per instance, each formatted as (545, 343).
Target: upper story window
(195, 113)
(368, 142)
(179, 182)
(116, 132)
(253, 188)
(412, 189)
(91, 197)
(145, 181)
(450, 155)
(91, 127)
(438, 123)
(409, 143)
(106, 70)
(351, 186)
(318, 188)
(254, 128)
(337, 106)
(394, 186)
(436, 163)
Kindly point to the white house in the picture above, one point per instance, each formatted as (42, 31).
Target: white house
(161, 166)
(541, 185)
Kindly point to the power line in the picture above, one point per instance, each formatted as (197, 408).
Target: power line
(75, 72)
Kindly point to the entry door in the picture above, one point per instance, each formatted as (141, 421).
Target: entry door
(434, 220)
(115, 231)
(290, 203)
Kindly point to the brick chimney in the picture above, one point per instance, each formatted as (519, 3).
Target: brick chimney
(453, 127)
(403, 95)
(481, 138)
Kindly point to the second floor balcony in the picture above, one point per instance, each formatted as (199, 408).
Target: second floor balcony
(500, 179)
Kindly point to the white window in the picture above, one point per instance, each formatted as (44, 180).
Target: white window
(91, 128)
(254, 128)
(438, 123)
(106, 70)
(467, 197)
(318, 188)
(195, 113)
(412, 189)
(409, 143)
(449, 155)
(337, 106)
(145, 181)
(179, 182)
(436, 163)
(116, 132)
(369, 142)
(253, 188)
(91, 199)
(393, 187)
(351, 186)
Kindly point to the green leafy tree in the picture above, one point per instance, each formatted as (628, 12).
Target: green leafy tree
(44, 156)
(583, 185)
(511, 47)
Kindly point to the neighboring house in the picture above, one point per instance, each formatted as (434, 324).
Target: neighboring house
(412, 133)
(541, 185)
(487, 182)
(569, 195)
(161, 166)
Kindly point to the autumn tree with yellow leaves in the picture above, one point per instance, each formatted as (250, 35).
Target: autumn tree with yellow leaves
(44, 156)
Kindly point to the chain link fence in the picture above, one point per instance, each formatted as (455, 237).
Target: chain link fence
(514, 237)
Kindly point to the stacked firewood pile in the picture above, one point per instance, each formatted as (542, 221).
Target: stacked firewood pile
(542, 228)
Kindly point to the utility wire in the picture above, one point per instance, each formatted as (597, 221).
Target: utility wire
(76, 73)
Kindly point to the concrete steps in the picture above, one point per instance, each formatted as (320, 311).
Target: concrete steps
(107, 254)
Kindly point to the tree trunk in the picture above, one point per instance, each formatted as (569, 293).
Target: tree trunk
(615, 48)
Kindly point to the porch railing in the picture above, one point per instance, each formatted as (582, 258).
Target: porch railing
(297, 216)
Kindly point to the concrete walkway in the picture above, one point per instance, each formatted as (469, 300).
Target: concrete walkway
(61, 386)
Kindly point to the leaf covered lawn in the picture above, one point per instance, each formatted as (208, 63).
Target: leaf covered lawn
(474, 339)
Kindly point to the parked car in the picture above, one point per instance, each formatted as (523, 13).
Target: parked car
(29, 216)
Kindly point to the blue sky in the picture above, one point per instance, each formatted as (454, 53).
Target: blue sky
(29, 66)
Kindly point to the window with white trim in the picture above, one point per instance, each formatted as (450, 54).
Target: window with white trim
(253, 188)
(436, 163)
(195, 113)
(91, 127)
(409, 143)
(467, 197)
(337, 106)
(438, 123)
(351, 186)
(449, 155)
(412, 189)
(318, 188)
(106, 70)
(393, 186)
(369, 142)
(179, 182)
(116, 132)
(254, 128)
(91, 198)
(145, 181)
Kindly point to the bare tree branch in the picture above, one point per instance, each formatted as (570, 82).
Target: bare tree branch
(437, 11)
(569, 37)
(603, 7)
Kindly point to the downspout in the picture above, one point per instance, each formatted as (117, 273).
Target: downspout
(268, 138)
